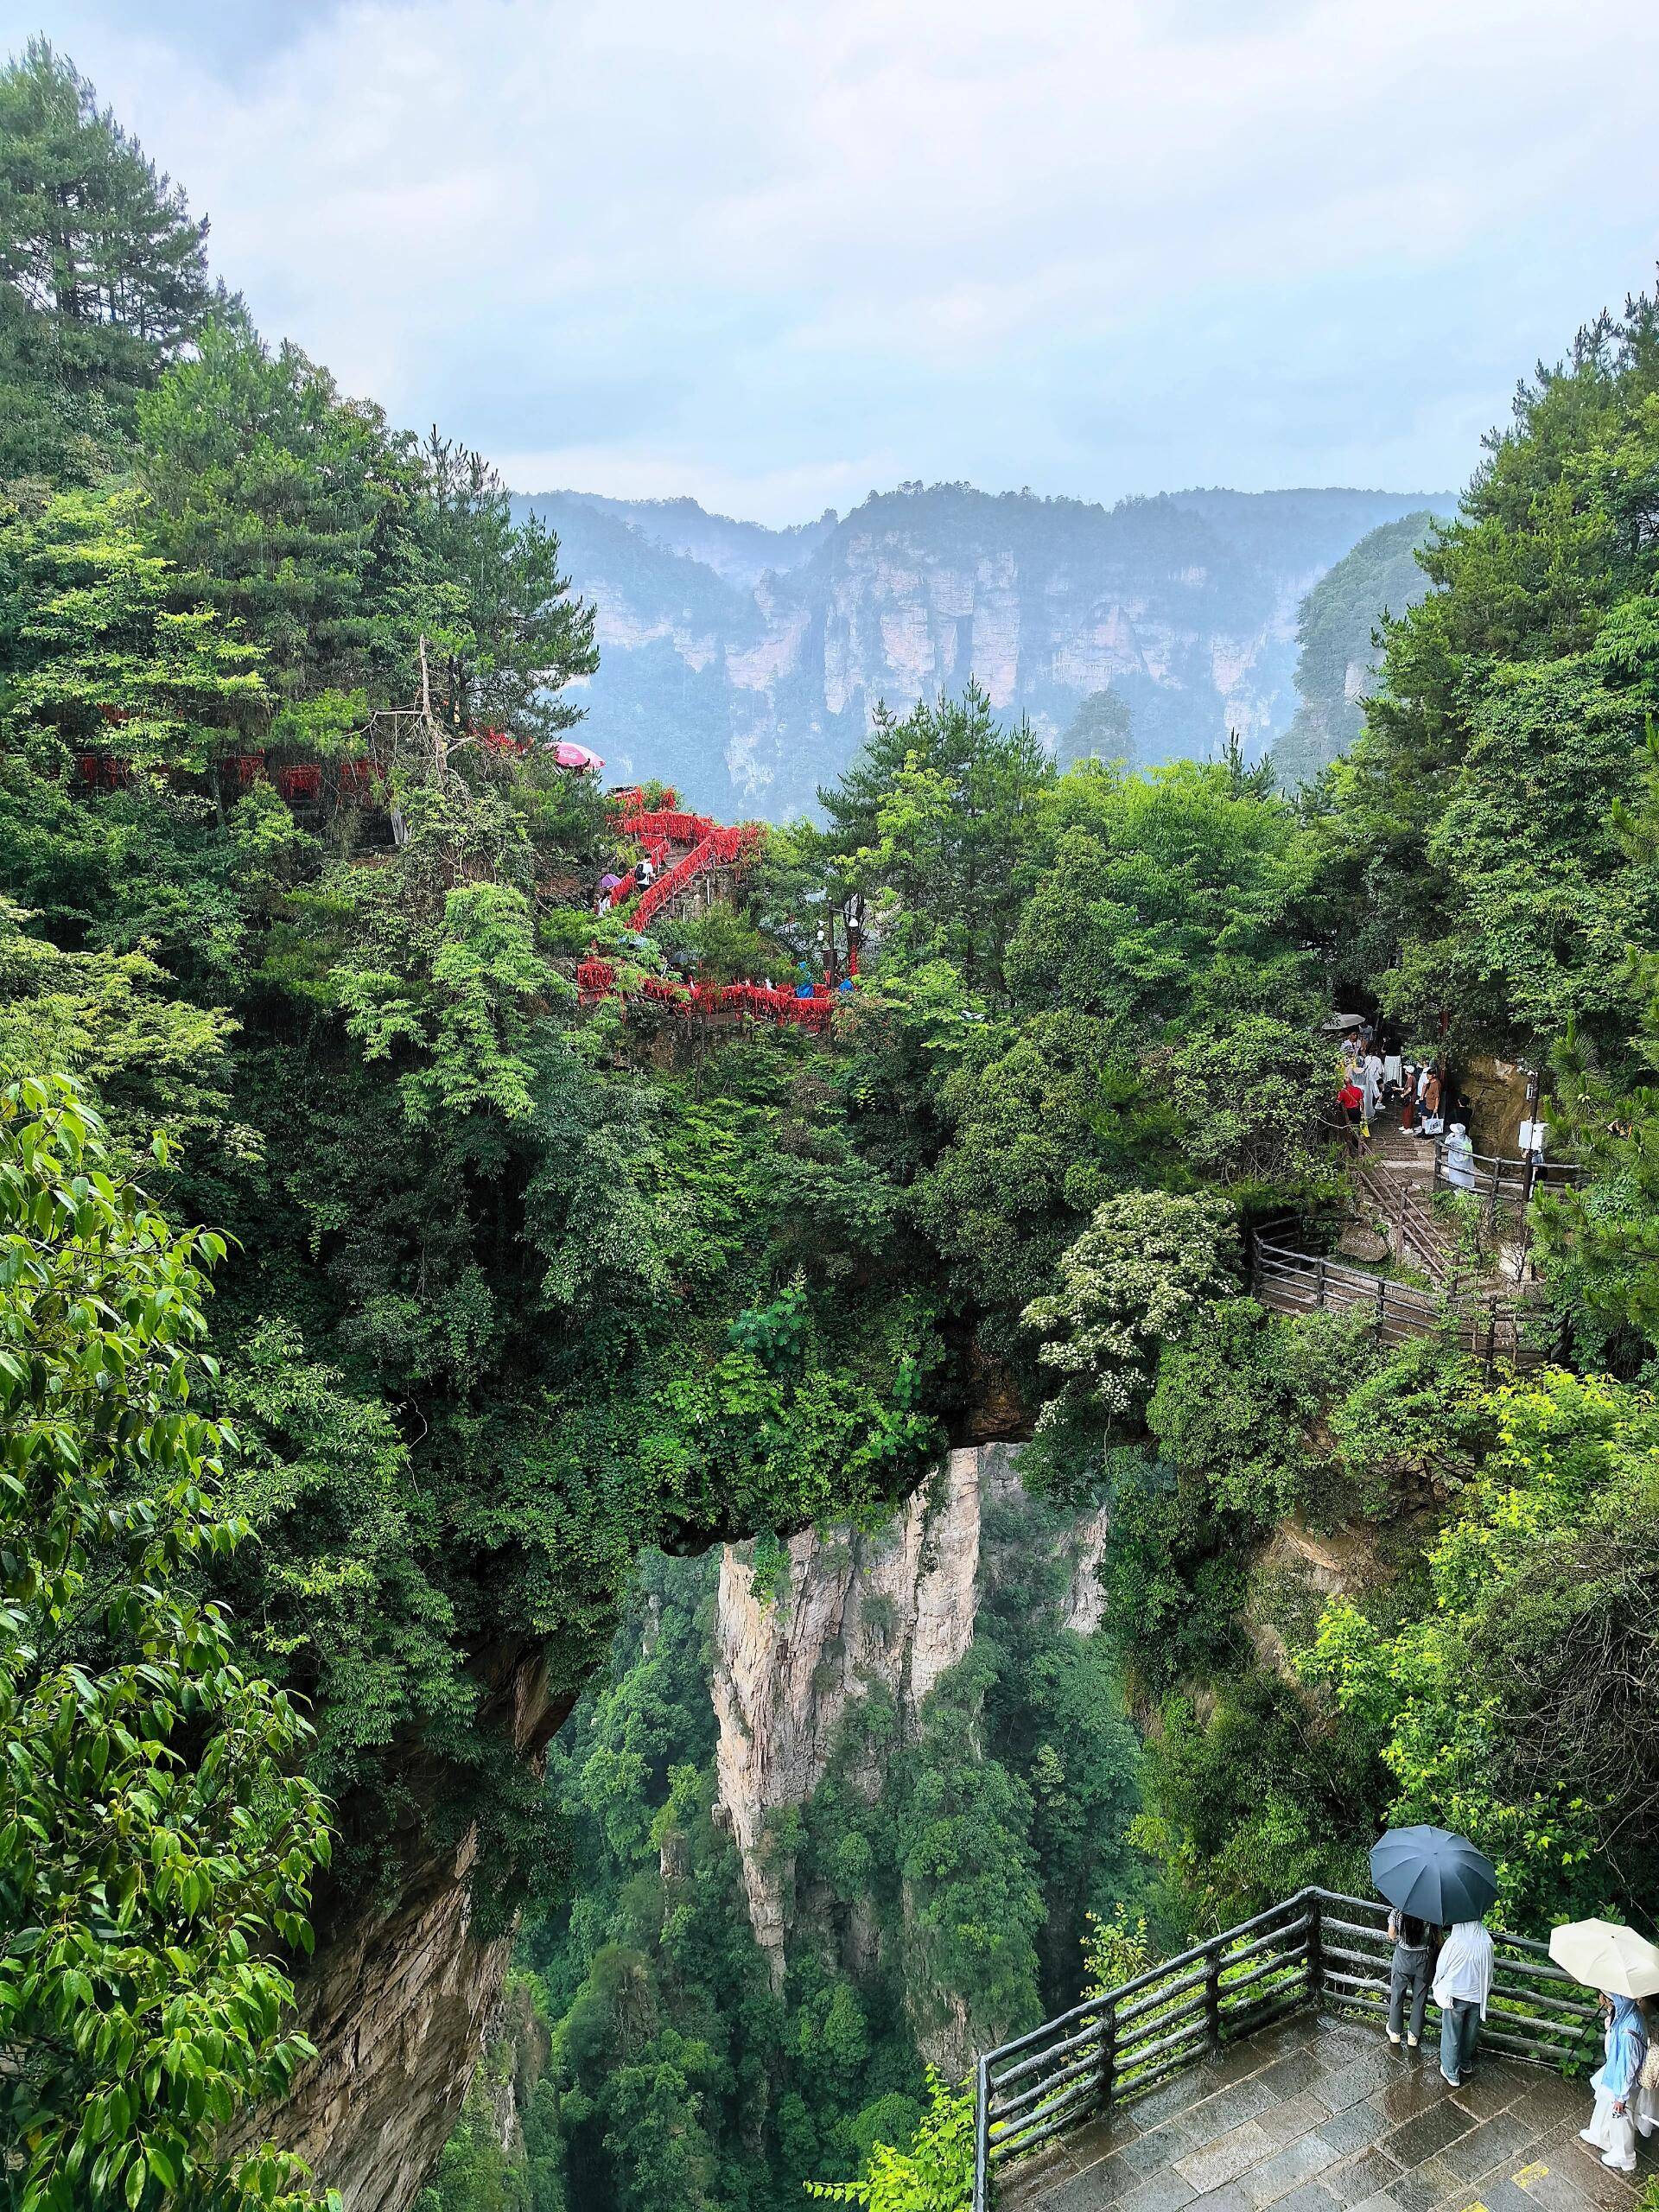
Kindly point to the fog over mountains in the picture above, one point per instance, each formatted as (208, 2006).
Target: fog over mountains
(742, 664)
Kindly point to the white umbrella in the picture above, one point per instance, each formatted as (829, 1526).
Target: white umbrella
(1603, 1955)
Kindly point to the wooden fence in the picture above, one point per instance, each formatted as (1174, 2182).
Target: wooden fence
(1491, 1324)
(1506, 1184)
(1319, 1947)
(1501, 1193)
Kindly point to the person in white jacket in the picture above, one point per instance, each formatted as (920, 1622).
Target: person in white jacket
(1463, 1984)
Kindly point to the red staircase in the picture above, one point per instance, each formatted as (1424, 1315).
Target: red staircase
(660, 828)
(707, 844)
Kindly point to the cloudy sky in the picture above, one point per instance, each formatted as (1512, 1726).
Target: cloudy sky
(777, 252)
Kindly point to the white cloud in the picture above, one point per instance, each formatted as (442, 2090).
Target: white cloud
(771, 253)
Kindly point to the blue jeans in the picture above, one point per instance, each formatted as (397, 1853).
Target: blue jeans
(1459, 2032)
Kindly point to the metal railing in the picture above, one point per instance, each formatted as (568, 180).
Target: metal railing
(1497, 1196)
(1410, 1223)
(1490, 1324)
(1503, 1186)
(1319, 1947)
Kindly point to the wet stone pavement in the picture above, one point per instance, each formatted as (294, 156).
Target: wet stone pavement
(1325, 2112)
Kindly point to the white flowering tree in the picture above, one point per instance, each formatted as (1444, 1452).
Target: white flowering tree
(1135, 1279)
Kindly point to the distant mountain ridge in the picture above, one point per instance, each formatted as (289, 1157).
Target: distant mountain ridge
(742, 664)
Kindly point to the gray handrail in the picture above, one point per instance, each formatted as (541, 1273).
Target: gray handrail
(1484, 1315)
(1310, 1950)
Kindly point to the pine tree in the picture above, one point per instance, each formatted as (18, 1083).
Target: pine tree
(103, 271)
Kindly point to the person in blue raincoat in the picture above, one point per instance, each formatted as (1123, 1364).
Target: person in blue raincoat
(1616, 2084)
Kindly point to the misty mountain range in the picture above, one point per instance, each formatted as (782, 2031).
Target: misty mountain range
(742, 664)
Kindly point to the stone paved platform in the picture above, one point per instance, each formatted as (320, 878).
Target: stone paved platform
(1321, 2113)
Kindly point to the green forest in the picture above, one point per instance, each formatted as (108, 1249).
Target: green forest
(394, 1327)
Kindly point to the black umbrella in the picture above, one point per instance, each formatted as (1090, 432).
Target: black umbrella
(1433, 1874)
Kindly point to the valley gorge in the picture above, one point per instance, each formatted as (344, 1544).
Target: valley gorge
(828, 1683)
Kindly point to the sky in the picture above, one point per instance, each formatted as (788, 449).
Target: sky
(776, 255)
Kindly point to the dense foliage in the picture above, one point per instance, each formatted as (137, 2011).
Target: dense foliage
(525, 1299)
(154, 1848)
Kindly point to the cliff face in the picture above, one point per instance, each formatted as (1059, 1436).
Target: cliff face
(891, 1612)
(749, 685)
(1337, 652)
(397, 2001)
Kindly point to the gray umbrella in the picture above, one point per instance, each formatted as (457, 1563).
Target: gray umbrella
(1433, 1874)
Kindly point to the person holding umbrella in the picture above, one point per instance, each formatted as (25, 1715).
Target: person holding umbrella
(1409, 1974)
(1625, 1968)
(1429, 1875)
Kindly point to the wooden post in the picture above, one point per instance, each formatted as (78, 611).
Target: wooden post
(981, 2135)
(1212, 1995)
(1108, 2056)
(1315, 1949)
(1318, 1294)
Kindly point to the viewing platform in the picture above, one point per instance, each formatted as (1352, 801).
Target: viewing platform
(1254, 2072)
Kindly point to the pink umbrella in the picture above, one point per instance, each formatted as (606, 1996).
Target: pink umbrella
(568, 755)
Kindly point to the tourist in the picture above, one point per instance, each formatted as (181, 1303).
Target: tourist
(1350, 1099)
(646, 873)
(1409, 1974)
(1646, 2100)
(1459, 1158)
(1462, 1983)
(1616, 2084)
(1370, 1084)
(1429, 1121)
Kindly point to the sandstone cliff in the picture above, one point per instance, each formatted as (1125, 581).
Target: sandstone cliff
(892, 1611)
(750, 684)
(398, 1998)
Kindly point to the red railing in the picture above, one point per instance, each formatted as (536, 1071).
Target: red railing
(596, 979)
(629, 798)
(718, 848)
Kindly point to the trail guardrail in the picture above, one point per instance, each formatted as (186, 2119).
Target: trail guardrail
(1318, 1947)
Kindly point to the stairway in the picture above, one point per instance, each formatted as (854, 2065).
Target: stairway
(1394, 1176)
(699, 844)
